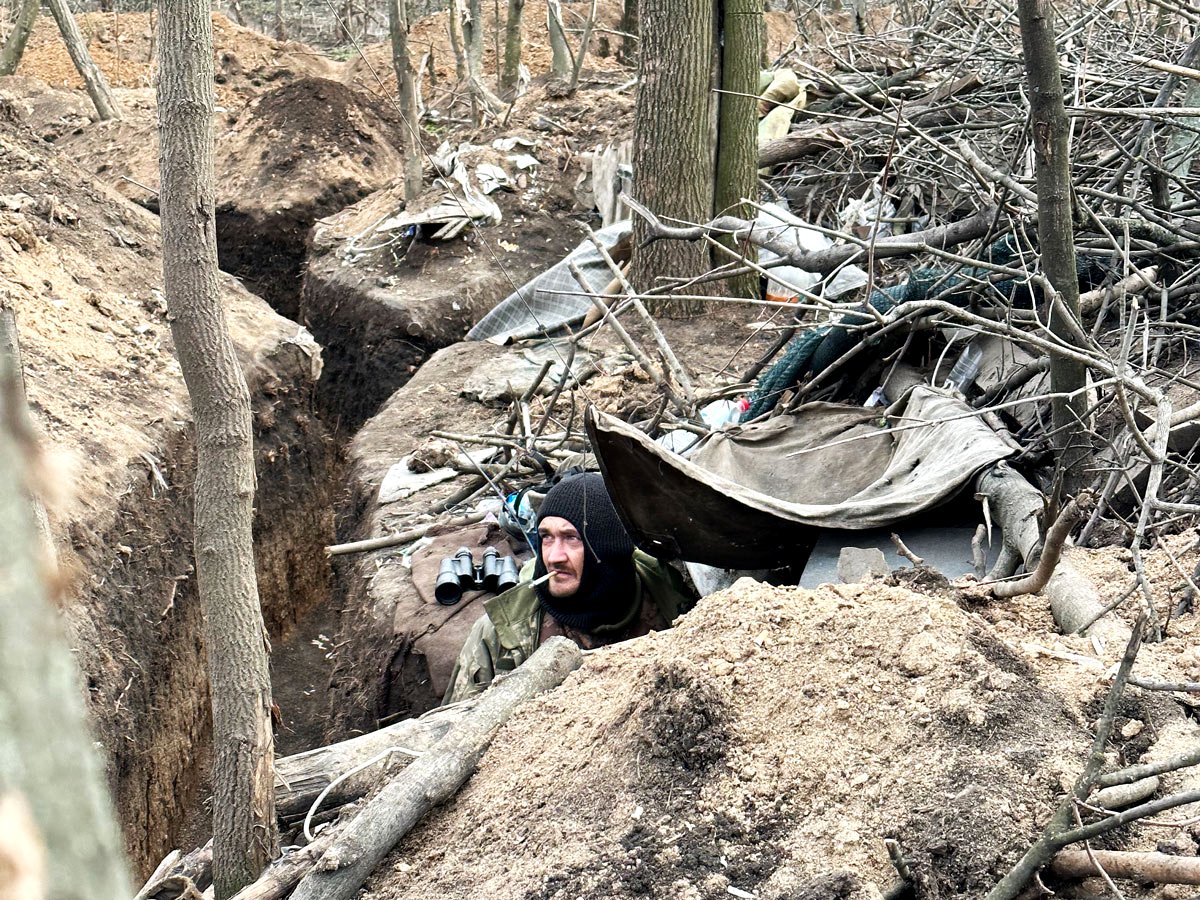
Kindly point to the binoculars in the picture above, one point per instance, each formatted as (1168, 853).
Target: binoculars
(458, 573)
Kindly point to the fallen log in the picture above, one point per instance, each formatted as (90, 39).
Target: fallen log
(1160, 868)
(823, 262)
(404, 537)
(285, 873)
(1017, 506)
(432, 779)
(175, 875)
(300, 779)
(1122, 796)
(1048, 559)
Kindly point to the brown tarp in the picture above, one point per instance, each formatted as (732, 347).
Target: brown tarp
(756, 496)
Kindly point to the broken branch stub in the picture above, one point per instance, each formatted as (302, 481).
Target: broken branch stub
(432, 779)
(1017, 506)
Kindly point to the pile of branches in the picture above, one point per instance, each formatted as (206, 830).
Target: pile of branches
(923, 131)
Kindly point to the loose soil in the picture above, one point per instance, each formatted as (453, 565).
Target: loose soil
(768, 743)
(298, 151)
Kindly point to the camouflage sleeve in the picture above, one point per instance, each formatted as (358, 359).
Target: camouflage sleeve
(476, 664)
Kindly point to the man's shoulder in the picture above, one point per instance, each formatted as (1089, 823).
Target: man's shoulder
(664, 584)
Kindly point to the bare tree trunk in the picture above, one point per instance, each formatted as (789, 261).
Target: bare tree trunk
(238, 15)
(627, 53)
(280, 25)
(560, 50)
(1055, 227)
(244, 830)
(672, 140)
(405, 78)
(472, 29)
(581, 54)
(737, 133)
(455, 14)
(14, 47)
(93, 78)
(46, 755)
(512, 49)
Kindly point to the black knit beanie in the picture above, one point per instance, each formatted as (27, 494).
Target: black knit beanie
(607, 587)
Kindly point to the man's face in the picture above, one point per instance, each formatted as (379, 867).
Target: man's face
(563, 554)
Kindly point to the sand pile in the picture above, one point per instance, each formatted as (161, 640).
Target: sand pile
(769, 744)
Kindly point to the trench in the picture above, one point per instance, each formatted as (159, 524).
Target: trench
(160, 737)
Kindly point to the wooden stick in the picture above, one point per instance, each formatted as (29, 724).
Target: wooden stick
(432, 779)
(404, 537)
(902, 549)
(285, 873)
(660, 340)
(1151, 684)
(638, 353)
(1161, 868)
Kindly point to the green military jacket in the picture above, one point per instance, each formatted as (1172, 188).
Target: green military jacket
(510, 629)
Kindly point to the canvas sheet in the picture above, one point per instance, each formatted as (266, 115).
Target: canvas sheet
(757, 496)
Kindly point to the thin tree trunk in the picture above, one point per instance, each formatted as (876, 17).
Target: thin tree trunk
(581, 54)
(1055, 227)
(93, 78)
(672, 140)
(472, 25)
(280, 25)
(627, 53)
(14, 47)
(483, 101)
(46, 755)
(238, 15)
(405, 80)
(512, 50)
(560, 50)
(455, 14)
(737, 134)
(244, 830)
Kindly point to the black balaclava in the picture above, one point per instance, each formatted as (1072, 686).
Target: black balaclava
(607, 587)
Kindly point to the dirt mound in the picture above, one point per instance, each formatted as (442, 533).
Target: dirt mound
(302, 150)
(381, 301)
(769, 743)
(82, 269)
(123, 46)
(49, 112)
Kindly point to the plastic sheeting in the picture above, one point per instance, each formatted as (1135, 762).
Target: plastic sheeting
(552, 299)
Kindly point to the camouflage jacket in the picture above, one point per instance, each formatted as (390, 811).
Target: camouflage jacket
(511, 627)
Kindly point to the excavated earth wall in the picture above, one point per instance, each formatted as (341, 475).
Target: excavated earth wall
(81, 268)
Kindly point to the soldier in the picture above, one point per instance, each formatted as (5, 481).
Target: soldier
(601, 589)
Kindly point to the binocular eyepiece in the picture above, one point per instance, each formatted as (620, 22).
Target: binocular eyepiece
(458, 573)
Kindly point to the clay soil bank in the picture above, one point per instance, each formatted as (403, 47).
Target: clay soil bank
(81, 268)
